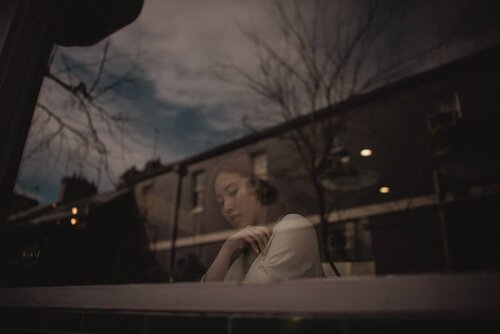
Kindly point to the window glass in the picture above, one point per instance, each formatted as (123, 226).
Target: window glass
(198, 189)
(287, 139)
(260, 164)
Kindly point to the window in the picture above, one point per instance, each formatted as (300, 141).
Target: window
(451, 105)
(260, 165)
(198, 190)
(361, 172)
(443, 125)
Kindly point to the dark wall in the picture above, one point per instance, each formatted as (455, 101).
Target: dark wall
(14, 320)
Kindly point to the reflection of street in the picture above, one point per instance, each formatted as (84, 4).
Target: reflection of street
(96, 239)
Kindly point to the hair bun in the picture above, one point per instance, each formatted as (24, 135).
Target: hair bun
(267, 193)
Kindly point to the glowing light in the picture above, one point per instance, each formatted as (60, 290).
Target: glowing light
(74, 210)
(366, 152)
(73, 221)
(384, 190)
(345, 159)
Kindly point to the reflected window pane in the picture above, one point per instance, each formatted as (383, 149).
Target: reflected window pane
(260, 164)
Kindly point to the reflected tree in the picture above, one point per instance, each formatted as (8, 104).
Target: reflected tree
(74, 121)
(326, 52)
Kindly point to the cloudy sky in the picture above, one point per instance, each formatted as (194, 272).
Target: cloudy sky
(175, 104)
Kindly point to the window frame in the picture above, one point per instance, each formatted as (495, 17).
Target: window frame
(24, 52)
(30, 42)
(380, 297)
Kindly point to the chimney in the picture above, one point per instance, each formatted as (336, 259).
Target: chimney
(76, 187)
(152, 165)
(128, 176)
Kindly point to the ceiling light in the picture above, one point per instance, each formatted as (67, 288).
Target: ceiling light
(384, 190)
(366, 152)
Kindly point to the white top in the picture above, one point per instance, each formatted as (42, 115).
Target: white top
(291, 253)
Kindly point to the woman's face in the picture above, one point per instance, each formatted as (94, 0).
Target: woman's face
(237, 200)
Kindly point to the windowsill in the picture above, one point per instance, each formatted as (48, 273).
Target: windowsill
(432, 294)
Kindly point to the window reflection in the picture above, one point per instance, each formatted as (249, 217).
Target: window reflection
(141, 167)
(260, 168)
(198, 190)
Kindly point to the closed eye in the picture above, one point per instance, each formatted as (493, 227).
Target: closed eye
(232, 192)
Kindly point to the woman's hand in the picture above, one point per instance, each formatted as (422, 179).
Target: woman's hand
(255, 236)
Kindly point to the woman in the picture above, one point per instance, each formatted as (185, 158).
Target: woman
(287, 251)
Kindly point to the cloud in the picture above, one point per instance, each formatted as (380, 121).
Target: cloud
(181, 124)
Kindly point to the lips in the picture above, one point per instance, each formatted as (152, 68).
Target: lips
(234, 217)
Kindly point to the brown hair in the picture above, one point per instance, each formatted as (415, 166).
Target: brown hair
(265, 188)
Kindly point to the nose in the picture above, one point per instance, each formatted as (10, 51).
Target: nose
(228, 206)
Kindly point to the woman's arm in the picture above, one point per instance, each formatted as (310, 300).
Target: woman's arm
(218, 269)
(255, 236)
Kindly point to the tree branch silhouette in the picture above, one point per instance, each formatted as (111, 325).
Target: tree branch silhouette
(72, 115)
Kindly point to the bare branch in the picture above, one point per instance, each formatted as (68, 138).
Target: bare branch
(101, 66)
(80, 126)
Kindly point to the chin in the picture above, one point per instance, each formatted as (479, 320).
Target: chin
(239, 223)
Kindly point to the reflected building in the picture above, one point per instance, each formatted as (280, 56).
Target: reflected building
(85, 238)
